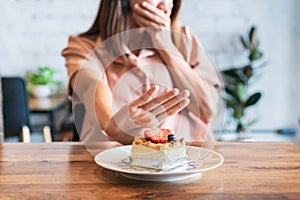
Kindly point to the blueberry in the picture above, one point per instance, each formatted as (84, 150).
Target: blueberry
(172, 137)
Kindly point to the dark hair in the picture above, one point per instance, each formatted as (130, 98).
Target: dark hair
(112, 18)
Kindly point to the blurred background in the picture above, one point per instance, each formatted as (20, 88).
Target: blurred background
(34, 32)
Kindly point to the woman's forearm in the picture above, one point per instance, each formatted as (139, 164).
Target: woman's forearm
(97, 99)
(105, 116)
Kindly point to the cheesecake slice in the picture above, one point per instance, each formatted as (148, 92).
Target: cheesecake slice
(158, 150)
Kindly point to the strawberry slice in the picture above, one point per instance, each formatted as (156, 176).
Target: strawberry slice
(158, 136)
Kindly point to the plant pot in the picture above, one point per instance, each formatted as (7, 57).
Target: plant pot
(41, 91)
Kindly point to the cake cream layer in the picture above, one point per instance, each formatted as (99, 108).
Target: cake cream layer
(158, 164)
(157, 155)
(147, 153)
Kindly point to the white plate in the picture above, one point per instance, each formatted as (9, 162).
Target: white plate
(201, 160)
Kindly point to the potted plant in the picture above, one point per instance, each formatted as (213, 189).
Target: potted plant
(40, 83)
(237, 81)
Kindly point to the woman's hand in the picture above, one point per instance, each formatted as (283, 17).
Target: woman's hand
(148, 111)
(156, 22)
(147, 15)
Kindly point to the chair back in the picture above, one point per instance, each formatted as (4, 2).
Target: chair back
(1, 115)
(15, 105)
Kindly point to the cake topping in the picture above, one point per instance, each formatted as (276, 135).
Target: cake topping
(159, 146)
(172, 138)
(158, 136)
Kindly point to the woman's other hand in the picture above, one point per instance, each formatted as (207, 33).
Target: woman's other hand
(153, 13)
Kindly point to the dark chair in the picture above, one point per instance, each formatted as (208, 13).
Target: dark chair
(16, 111)
(15, 108)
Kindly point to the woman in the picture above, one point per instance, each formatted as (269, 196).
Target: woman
(136, 68)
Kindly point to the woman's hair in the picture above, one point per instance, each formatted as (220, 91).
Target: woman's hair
(112, 18)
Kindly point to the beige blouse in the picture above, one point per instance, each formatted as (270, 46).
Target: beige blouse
(149, 69)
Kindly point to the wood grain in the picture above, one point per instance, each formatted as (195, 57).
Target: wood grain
(68, 171)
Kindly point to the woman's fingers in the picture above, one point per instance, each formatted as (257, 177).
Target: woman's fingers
(171, 103)
(150, 16)
(152, 120)
(153, 117)
(144, 98)
(160, 15)
(153, 103)
(142, 22)
(173, 110)
(147, 111)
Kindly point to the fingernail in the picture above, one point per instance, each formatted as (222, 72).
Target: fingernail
(187, 93)
(176, 91)
(144, 3)
(186, 102)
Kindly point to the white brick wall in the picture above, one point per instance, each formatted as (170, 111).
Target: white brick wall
(33, 32)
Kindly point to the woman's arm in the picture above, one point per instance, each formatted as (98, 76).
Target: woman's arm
(97, 99)
(204, 96)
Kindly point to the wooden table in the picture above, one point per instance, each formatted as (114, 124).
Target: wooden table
(68, 171)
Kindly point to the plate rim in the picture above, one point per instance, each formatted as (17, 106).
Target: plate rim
(168, 173)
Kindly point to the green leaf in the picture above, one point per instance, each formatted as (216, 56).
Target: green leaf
(232, 72)
(235, 75)
(241, 91)
(229, 91)
(232, 94)
(248, 71)
(255, 55)
(253, 99)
